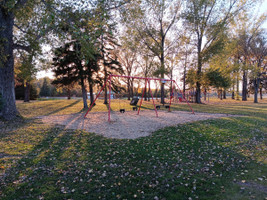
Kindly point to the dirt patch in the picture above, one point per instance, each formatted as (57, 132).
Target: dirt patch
(127, 125)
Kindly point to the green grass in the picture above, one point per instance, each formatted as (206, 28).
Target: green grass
(213, 159)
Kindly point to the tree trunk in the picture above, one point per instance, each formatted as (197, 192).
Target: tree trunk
(261, 93)
(69, 93)
(145, 94)
(244, 88)
(237, 89)
(233, 92)
(84, 93)
(7, 85)
(132, 89)
(27, 92)
(156, 94)
(162, 94)
(185, 66)
(224, 94)
(221, 94)
(256, 88)
(128, 89)
(205, 94)
(199, 68)
(91, 92)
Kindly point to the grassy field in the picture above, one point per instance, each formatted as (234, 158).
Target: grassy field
(213, 159)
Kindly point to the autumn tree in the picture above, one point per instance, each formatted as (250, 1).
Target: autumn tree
(208, 20)
(258, 48)
(151, 23)
(128, 59)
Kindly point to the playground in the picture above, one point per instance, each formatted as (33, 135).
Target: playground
(127, 125)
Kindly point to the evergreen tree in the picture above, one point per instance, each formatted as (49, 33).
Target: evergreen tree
(45, 90)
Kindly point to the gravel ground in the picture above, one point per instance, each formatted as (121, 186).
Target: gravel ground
(127, 125)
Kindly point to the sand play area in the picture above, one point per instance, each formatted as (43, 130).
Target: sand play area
(127, 125)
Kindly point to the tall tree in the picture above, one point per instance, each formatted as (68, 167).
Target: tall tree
(69, 67)
(208, 20)
(152, 22)
(128, 59)
(244, 28)
(45, 90)
(258, 49)
(66, 73)
(18, 30)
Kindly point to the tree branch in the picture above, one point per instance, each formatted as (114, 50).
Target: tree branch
(20, 4)
(22, 47)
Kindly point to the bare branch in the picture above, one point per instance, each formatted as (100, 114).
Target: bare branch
(22, 47)
(20, 4)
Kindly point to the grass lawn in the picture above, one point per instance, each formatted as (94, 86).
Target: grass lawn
(213, 159)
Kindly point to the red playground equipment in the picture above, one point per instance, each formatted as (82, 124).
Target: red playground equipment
(147, 82)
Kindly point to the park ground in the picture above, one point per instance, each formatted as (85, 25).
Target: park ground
(213, 159)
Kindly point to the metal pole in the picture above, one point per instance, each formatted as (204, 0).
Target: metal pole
(153, 100)
(184, 98)
(142, 98)
(96, 98)
(109, 98)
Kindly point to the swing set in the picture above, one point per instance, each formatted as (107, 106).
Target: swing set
(135, 100)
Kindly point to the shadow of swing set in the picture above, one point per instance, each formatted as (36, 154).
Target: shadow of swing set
(134, 101)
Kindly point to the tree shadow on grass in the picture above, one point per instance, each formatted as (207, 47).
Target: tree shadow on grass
(63, 108)
(174, 163)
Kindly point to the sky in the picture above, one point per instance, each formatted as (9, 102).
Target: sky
(262, 9)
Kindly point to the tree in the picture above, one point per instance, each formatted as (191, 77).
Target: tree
(258, 49)
(109, 58)
(45, 90)
(25, 70)
(128, 59)
(9, 11)
(147, 66)
(186, 56)
(66, 73)
(244, 30)
(218, 80)
(208, 20)
(92, 68)
(152, 22)
(69, 67)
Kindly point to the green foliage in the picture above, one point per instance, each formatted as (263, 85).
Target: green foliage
(217, 79)
(191, 78)
(45, 89)
(20, 92)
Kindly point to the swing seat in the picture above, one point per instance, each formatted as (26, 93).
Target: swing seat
(134, 101)
(167, 106)
(122, 110)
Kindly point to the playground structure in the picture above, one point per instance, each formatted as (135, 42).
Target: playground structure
(108, 84)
